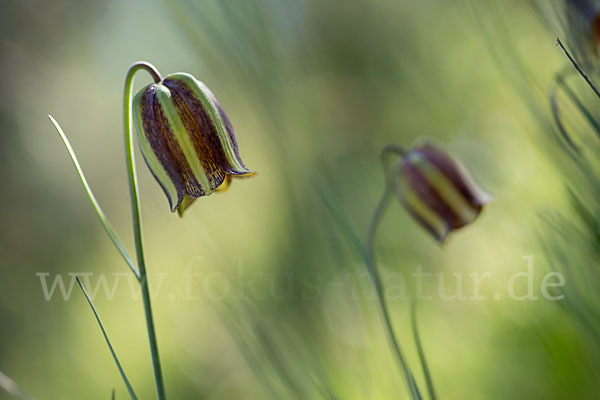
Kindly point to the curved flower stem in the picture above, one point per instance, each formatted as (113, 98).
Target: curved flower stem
(391, 149)
(137, 221)
(378, 284)
(420, 351)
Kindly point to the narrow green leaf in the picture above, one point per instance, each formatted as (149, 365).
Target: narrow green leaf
(578, 68)
(335, 209)
(559, 124)
(101, 216)
(110, 347)
(588, 115)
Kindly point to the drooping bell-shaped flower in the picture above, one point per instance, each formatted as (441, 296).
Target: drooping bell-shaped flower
(186, 139)
(437, 191)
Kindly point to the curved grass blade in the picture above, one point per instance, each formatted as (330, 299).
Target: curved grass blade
(282, 370)
(415, 388)
(101, 216)
(334, 208)
(578, 68)
(12, 388)
(110, 347)
(559, 124)
(577, 101)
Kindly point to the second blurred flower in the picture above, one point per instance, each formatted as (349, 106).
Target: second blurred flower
(437, 191)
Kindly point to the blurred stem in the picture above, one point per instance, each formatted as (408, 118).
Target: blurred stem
(392, 149)
(367, 252)
(137, 221)
(378, 284)
(582, 108)
(12, 388)
(422, 359)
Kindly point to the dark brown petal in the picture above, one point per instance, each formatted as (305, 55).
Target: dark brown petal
(192, 187)
(157, 142)
(209, 144)
(428, 195)
(202, 143)
(454, 173)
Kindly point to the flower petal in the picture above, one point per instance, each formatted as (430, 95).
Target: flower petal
(154, 147)
(215, 130)
(437, 191)
(182, 144)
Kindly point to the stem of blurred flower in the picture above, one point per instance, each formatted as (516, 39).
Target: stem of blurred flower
(376, 277)
(137, 221)
(386, 153)
(377, 283)
(420, 351)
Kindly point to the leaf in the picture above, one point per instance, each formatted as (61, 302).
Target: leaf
(101, 216)
(110, 347)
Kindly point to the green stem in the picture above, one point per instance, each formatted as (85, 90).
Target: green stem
(420, 351)
(378, 284)
(137, 221)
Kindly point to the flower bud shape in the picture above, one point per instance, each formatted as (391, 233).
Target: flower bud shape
(186, 139)
(437, 191)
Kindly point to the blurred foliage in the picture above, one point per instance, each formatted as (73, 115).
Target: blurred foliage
(314, 89)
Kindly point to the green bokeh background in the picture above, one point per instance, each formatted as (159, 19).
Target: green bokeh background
(314, 90)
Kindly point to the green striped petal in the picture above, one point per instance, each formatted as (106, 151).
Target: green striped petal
(179, 138)
(154, 148)
(186, 138)
(437, 191)
(211, 119)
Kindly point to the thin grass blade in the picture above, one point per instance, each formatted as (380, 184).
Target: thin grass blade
(589, 116)
(578, 68)
(110, 347)
(334, 208)
(101, 216)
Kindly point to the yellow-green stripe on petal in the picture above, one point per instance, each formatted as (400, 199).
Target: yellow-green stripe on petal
(181, 135)
(422, 213)
(186, 139)
(148, 135)
(199, 92)
(465, 212)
